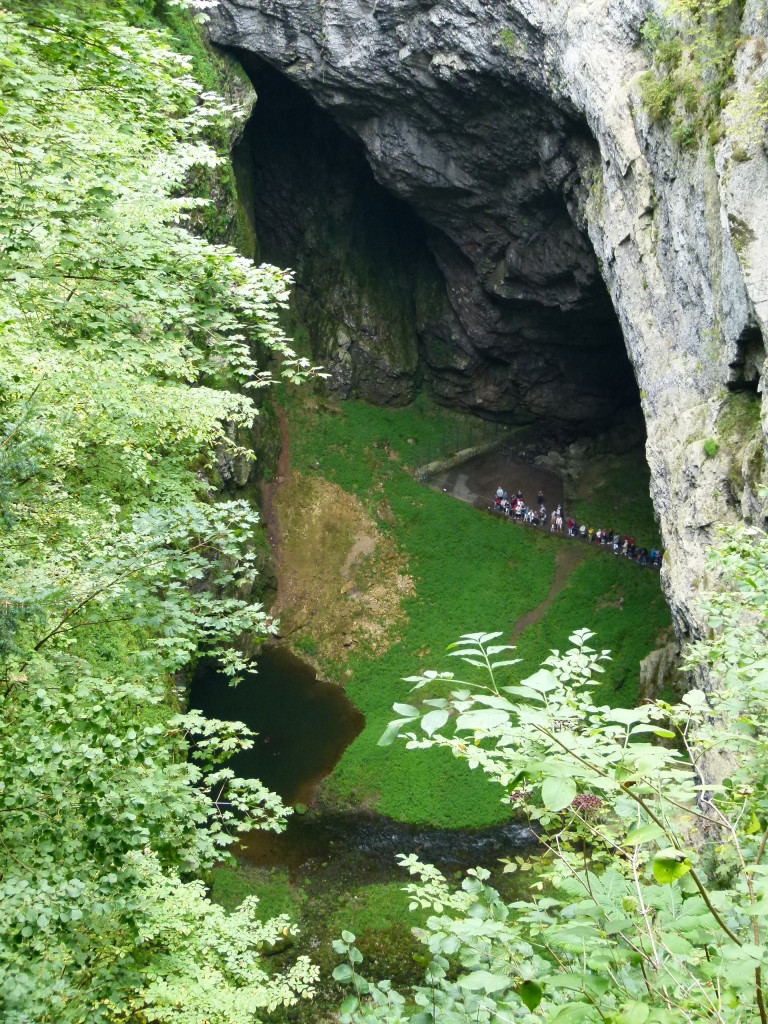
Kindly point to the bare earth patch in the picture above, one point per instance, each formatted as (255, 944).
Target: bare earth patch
(341, 580)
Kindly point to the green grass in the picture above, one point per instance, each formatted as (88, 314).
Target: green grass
(624, 606)
(376, 906)
(471, 571)
(618, 499)
(416, 433)
(230, 884)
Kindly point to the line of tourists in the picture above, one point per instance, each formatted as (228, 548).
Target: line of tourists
(536, 515)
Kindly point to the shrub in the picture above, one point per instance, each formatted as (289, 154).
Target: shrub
(652, 909)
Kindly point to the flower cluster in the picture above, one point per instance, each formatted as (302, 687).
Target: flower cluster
(587, 803)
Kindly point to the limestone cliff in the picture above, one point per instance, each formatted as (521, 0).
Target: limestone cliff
(514, 130)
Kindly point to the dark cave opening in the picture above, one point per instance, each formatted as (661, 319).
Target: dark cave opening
(746, 367)
(389, 303)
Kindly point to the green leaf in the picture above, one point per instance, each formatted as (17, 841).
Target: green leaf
(406, 710)
(342, 973)
(643, 834)
(569, 980)
(619, 925)
(524, 691)
(754, 825)
(676, 943)
(434, 720)
(558, 793)
(531, 994)
(360, 984)
(542, 681)
(633, 1013)
(349, 1005)
(696, 699)
(627, 716)
(597, 984)
(485, 981)
(571, 1013)
(481, 721)
(669, 865)
(392, 731)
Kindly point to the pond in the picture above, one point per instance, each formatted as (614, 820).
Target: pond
(303, 726)
(303, 723)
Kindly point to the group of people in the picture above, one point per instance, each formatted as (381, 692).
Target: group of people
(536, 515)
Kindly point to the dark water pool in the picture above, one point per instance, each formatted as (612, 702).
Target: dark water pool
(303, 723)
(303, 726)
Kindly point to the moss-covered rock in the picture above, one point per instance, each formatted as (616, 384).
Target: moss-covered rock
(226, 219)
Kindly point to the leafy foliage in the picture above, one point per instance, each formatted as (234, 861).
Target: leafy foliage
(656, 847)
(692, 46)
(128, 359)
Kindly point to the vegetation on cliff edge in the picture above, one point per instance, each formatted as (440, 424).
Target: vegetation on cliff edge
(652, 906)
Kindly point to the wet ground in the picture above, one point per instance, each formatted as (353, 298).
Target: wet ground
(475, 481)
(367, 845)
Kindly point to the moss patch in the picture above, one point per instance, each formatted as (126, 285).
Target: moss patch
(341, 578)
(231, 883)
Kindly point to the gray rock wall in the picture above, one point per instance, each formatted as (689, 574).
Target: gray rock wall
(514, 129)
(529, 332)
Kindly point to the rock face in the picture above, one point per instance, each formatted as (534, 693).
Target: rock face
(513, 129)
(506, 311)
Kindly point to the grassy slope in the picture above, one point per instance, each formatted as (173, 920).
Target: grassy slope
(471, 572)
(624, 606)
(614, 496)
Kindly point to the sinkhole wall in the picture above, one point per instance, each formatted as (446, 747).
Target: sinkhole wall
(556, 237)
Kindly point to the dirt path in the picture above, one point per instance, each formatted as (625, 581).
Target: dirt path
(269, 491)
(567, 557)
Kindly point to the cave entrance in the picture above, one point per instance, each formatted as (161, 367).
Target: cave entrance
(391, 300)
(746, 368)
